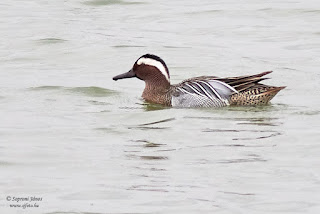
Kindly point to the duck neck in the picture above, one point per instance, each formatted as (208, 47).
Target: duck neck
(157, 91)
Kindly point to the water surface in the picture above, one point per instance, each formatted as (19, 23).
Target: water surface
(87, 144)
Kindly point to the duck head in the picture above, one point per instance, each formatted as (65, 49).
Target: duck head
(149, 68)
(154, 72)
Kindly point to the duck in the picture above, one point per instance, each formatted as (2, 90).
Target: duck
(201, 91)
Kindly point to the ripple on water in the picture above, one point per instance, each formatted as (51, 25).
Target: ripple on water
(175, 47)
(157, 122)
(308, 113)
(153, 107)
(238, 193)
(152, 188)
(62, 212)
(150, 169)
(5, 163)
(147, 157)
(148, 144)
(49, 41)
(261, 134)
(46, 88)
(242, 160)
(146, 126)
(259, 121)
(91, 91)
(153, 157)
(99, 103)
(110, 2)
(205, 12)
(128, 46)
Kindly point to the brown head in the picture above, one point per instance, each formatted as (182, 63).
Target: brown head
(154, 72)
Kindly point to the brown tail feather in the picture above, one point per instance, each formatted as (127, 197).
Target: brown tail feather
(248, 76)
(246, 85)
(241, 83)
(273, 90)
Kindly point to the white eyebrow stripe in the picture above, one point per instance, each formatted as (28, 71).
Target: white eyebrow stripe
(155, 63)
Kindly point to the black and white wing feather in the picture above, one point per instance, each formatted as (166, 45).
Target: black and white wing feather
(202, 93)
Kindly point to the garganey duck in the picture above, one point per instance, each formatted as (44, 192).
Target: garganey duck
(203, 91)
